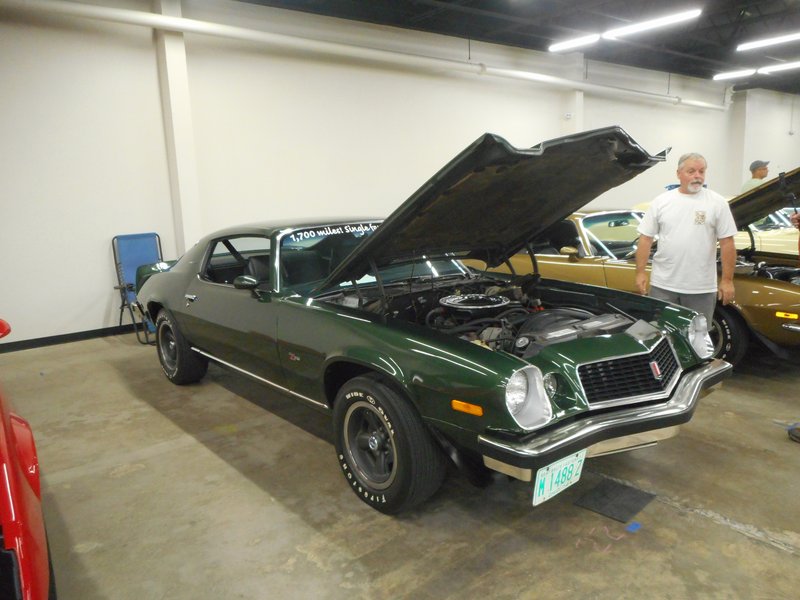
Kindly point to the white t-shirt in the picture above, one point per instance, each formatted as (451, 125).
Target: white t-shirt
(688, 227)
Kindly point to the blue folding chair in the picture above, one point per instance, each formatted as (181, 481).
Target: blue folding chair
(131, 252)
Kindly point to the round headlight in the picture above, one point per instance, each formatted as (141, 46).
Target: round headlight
(526, 398)
(551, 384)
(516, 392)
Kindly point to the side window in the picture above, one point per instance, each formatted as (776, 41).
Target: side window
(612, 235)
(229, 258)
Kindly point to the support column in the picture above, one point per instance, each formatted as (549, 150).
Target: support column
(179, 133)
(572, 116)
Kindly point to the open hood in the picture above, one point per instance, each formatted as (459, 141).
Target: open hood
(491, 199)
(757, 203)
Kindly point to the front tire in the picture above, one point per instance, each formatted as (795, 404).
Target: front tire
(730, 337)
(386, 454)
(180, 364)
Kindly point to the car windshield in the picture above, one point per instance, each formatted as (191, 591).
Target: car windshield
(310, 254)
(613, 234)
(775, 220)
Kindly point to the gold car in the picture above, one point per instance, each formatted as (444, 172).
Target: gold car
(599, 248)
(773, 234)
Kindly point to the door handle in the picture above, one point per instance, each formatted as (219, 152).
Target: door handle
(190, 297)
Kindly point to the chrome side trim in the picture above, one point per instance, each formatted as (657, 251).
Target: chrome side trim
(683, 401)
(791, 327)
(261, 379)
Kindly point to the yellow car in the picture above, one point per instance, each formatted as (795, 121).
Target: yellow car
(598, 248)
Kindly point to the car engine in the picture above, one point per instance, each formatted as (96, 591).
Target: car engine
(763, 269)
(496, 315)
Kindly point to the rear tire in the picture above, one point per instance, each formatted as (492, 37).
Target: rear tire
(387, 455)
(180, 364)
(730, 336)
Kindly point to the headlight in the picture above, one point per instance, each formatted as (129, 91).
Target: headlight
(699, 338)
(551, 384)
(516, 392)
(527, 400)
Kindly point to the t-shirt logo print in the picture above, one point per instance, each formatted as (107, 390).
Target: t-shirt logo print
(699, 217)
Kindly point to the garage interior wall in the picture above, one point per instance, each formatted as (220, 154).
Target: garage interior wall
(105, 132)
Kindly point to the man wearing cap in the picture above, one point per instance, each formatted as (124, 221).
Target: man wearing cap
(759, 170)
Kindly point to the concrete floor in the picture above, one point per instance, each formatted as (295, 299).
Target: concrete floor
(227, 489)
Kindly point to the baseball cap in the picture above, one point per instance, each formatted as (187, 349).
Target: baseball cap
(758, 164)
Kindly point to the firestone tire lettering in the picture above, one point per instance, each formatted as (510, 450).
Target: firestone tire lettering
(384, 449)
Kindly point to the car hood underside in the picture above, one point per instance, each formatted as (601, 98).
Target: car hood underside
(491, 199)
(757, 203)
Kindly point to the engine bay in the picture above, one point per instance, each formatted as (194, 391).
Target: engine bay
(763, 269)
(495, 314)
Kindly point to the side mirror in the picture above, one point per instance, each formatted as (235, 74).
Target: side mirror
(245, 282)
(5, 328)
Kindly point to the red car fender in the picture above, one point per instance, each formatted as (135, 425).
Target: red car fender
(20, 504)
(26, 452)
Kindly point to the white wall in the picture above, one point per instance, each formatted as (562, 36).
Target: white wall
(81, 159)
(287, 133)
(771, 130)
(305, 138)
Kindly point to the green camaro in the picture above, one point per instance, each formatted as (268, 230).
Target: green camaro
(419, 358)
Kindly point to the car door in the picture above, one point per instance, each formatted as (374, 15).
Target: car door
(236, 326)
(613, 236)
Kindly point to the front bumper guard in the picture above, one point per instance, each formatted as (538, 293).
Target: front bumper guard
(633, 427)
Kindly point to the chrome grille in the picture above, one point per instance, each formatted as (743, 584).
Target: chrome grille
(629, 377)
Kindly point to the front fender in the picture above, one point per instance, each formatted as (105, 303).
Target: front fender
(434, 372)
(767, 305)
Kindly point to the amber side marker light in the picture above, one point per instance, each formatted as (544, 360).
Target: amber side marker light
(466, 407)
(784, 315)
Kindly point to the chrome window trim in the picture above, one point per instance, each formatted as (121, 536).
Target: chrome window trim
(207, 255)
(633, 399)
(261, 379)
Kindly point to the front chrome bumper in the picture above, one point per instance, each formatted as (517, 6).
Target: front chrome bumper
(518, 459)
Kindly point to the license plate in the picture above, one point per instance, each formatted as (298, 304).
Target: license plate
(557, 476)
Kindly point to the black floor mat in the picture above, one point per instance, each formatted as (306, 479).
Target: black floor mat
(615, 500)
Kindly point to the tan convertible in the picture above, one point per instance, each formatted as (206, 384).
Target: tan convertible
(598, 248)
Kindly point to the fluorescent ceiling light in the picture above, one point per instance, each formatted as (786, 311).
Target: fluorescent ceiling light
(575, 43)
(652, 24)
(783, 67)
(792, 37)
(734, 74)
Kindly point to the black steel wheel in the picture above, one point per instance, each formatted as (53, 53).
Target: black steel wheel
(180, 364)
(387, 455)
(729, 335)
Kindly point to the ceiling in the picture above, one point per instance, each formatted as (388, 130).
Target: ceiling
(700, 48)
